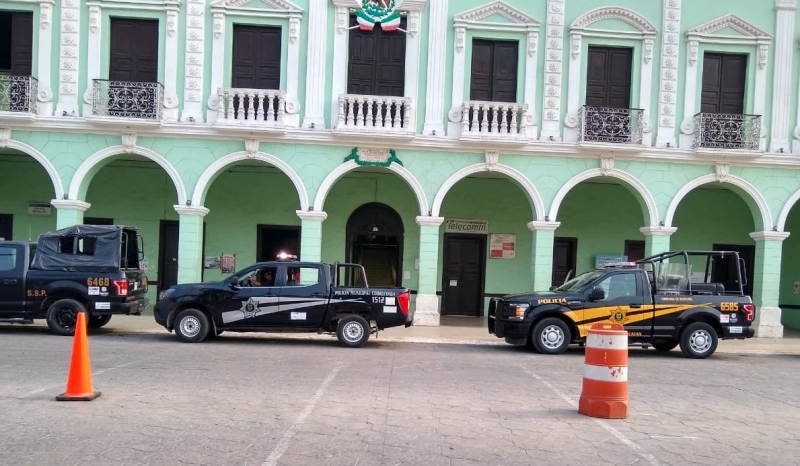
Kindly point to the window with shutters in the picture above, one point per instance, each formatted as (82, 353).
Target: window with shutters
(256, 72)
(17, 86)
(722, 122)
(493, 80)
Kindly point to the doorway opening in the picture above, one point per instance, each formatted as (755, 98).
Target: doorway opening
(463, 275)
(276, 239)
(6, 227)
(564, 260)
(375, 240)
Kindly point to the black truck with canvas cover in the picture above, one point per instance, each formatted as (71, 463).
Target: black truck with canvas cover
(84, 268)
(659, 300)
(285, 296)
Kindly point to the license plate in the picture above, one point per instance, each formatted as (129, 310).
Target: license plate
(736, 329)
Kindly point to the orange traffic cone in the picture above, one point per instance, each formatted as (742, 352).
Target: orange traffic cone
(79, 381)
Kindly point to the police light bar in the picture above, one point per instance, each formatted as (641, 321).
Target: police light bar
(620, 264)
(282, 256)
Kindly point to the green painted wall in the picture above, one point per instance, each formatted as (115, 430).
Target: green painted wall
(790, 272)
(23, 180)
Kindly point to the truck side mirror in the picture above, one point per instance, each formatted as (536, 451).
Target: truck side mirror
(597, 294)
(553, 288)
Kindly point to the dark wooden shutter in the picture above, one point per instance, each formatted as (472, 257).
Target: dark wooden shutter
(134, 50)
(608, 77)
(377, 61)
(256, 57)
(564, 254)
(724, 79)
(494, 70)
(21, 44)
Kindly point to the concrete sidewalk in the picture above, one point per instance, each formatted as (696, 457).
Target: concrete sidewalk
(457, 330)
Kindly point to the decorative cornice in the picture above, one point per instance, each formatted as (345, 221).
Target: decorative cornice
(150, 5)
(621, 14)
(129, 142)
(543, 226)
(313, 216)
(277, 6)
(429, 221)
(658, 231)
(728, 21)
(786, 5)
(70, 204)
(769, 235)
(496, 8)
(191, 210)
(552, 68)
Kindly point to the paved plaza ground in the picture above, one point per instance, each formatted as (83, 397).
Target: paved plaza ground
(271, 400)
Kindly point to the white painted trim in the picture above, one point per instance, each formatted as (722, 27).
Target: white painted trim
(70, 204)
(668, 85)
(786, 210)
(191, 210)
(208, 176)
(98, 157)
(658, 231)
(312, 216)
(68, 62)
(217, 56)
(350, 165)
(341, 44)
(275, 6)
(752, 191)
(632, 181)
(194, 69)
(769, 235)
(580, 28)
(437, 56)
(52, 172)
(170, 110)
(782, 78)
(537, 205)
(553, 67)
(472, 20)
(45, 58)
(429, 221)
(543, 226)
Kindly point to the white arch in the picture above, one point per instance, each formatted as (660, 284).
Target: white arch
(755, 195)
(787, 208)
(350, 165)
(103, 154)
(632, 181)
(201, 189)
(58, 186)
(537, 205)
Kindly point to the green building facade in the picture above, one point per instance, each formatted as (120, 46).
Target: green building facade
(463, 149)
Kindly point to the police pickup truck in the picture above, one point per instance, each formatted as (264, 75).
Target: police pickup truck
(285, 296)
(85, 268)
(661, 304)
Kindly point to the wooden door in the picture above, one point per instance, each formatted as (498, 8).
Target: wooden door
(608, 77)
(377, 62)
(564, 259)
(494, 70)
(168, 254)
(462, 276)
(635, 250)
(134, 50)
(724, 80)
(6, 227)
(21, 44)
(256, 57)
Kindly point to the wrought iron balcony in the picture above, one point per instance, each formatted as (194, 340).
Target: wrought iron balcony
(610, 125)
(375, 114)
(727, 131)
(251, 107)
(127, 99)
(496, 120)
(18, 94)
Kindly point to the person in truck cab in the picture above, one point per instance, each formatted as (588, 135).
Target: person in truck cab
(264, 277)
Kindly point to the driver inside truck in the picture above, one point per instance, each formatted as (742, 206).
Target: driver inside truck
(264, 277)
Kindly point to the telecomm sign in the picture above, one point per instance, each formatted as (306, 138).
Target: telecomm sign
(457, 225)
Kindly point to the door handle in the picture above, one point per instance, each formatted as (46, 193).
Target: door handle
(9, 281)
(635, 306)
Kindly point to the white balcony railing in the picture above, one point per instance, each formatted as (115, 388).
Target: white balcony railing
(500, 120)
(257, 107)
(375, 114)
(18, 94)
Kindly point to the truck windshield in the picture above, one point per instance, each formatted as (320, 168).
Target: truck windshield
(581, 280)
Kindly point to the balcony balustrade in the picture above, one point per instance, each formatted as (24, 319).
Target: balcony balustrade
(501, 121)
(127, 99)
(375, 114)
(251, 107)
(610, 125)
(18, 95)
(727, 131)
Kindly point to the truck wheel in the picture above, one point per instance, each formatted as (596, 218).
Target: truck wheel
(665, 345)
(62, 316)
(698, 340)
(191, 326)
(551, 336)
(98, 321)
(353, 331)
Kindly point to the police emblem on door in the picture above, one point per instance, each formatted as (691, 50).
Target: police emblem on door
(249, 308)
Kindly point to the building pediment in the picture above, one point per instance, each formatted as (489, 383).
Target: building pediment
(607, 16)
(267, 6)
(728, 26)
(139, 5)
(496, 15)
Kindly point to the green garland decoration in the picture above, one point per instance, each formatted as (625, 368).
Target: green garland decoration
(354, 155)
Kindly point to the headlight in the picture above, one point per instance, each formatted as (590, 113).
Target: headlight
(165, 293)
(519, 310)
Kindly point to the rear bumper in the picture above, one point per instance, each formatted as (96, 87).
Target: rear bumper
(135, 307)
(409, 321)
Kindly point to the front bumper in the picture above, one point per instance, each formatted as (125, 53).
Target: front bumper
(513, 332)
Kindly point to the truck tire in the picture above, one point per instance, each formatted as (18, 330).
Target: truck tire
(551, 336)
(665, 346)
(698, 340)
(191, 326)
(353, 331)
(98, 321)
(62, 316)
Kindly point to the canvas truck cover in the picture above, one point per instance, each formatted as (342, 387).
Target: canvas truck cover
(81, 247)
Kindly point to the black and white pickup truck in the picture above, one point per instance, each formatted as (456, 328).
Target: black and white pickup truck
(283, 296)
(84, 268)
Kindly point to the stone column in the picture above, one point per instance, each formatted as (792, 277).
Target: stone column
(782, 74)
(311, 235)
(766, 283)
(427, 306)
(69, 212)
(190, 243)
(542, 254)
(44, 94)
(316, 50)
(170, 104)
(656, 239)
(437, 55)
